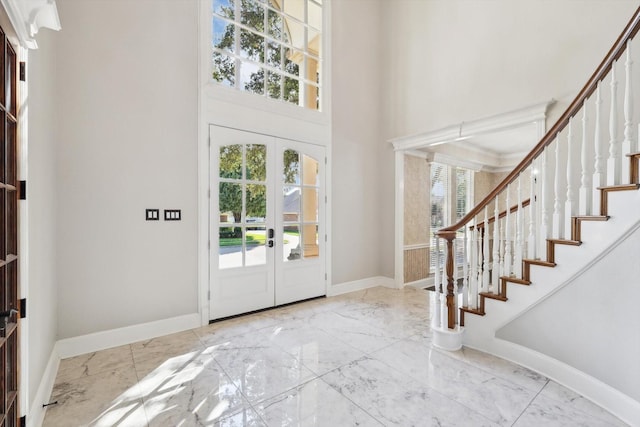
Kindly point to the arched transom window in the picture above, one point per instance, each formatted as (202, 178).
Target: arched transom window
(271, 48)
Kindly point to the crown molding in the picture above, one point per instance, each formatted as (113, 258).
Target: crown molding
(29, 16)
(465, 130)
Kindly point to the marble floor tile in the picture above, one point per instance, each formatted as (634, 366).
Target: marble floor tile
(104, 399)
(395, 399)
(259, 368)
(499, 400)
(190, 391)
(364, 358)
(568, 398)
(551, 413)
(313, 403)
(502, 368)
(314, 348)
(167, 346)
(93, 363)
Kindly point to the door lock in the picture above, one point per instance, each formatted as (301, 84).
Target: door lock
(270, 234)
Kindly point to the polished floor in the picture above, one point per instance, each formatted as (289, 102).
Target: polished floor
(361, 359)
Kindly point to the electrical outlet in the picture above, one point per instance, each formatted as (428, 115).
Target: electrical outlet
(172, 215)
(152, 214)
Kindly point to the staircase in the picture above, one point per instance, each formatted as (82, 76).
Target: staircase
(581, 183)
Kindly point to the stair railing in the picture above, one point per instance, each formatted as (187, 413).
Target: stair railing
(566, 169)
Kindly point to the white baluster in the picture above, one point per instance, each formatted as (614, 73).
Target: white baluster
(473, 285)
(465, 270)
(517, 258)
(584, 207)
(613, 162)
(599, 173)
(629, 143)
(485, 252)
(569, 204)
(531, 239)
(508, 258)
(435, 319)
(495, 273)
(558, 222)
(544, 214)
(502, 246)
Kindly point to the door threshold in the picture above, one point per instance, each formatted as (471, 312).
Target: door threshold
(264, 309)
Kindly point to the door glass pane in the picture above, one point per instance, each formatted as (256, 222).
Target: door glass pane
(231, 161)
(256, 253)
(230, 201)
(256, 162)
(310, 243)
(310, 205)
(256, 203)
(309, 171)
(291, 204)
(223, 35)
(291, 167)
(230, 248)
(251, 46)
(252, 15)
(291, 242)
(223, 8)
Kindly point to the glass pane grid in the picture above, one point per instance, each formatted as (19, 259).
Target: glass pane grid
(242, 59)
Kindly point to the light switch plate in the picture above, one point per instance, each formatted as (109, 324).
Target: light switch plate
(172, 215)
(152, 214)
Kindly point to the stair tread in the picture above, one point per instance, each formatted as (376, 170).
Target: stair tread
(565, 242)
(637, 154)
(620, 187)
(539, 262)
(592, 217)
(517, 280)
(493, 296)
(473, 311)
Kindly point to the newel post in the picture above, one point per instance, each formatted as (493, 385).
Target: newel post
(449, 237)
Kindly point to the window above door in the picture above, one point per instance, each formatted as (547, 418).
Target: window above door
(269, 48)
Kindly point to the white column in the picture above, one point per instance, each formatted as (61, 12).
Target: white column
(569, 205)
(629, 143)
(518, 245)
(584, 202)
(599, 173)
(558, 220)
(613, 162)
(495, 272)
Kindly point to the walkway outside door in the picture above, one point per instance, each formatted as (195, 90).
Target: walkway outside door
(267, 221)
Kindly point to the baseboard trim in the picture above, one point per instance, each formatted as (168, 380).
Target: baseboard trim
(358, 285)
(609, 398)
(35, 418)
(97, 341)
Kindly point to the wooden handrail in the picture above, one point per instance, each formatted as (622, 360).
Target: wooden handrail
(601, 72)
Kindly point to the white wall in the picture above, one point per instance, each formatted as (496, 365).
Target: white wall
(362, 202)
(42, 313)
(452, 61)
(589, 323)
(126, 105)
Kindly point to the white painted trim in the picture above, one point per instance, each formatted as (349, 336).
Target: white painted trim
(35, 416)
(399, 220)
(417, 246)
(465, 130)
(97, 341)
(359, 285)
(420, 284)
(614, 401)
(28, 16)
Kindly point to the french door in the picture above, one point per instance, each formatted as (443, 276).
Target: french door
(267, 221)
